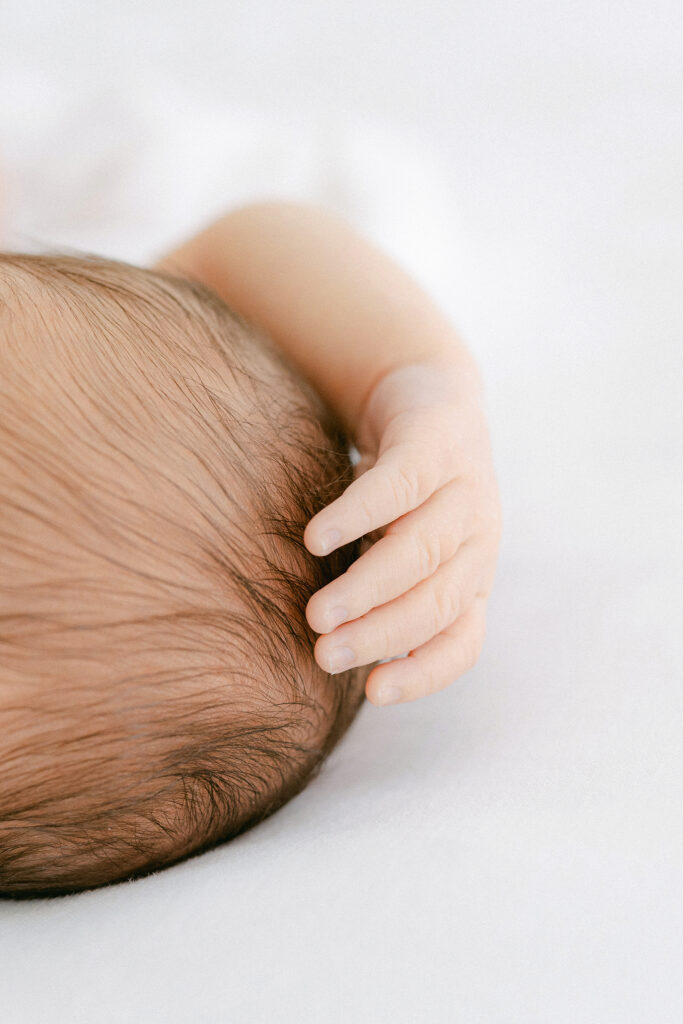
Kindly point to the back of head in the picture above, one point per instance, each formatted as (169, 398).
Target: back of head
(158, 463)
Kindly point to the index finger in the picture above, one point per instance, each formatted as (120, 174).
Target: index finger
(402, 479)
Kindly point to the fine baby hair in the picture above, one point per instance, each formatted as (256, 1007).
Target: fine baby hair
(159, 460)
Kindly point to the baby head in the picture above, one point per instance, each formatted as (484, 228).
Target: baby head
(159, 461)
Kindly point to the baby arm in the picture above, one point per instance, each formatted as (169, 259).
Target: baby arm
(392, 367)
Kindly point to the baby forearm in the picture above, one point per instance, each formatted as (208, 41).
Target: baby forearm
(341, 309)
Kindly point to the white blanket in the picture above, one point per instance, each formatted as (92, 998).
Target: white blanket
(509, 850)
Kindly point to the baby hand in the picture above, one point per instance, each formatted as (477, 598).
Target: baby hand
(426, 476)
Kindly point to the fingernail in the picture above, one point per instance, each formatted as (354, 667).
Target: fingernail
(330, 540)
(336, 617)
(340, 659)
(389, 695)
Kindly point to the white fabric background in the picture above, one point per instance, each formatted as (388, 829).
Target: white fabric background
(510, 850)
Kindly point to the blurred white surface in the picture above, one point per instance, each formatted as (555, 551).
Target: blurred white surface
(510, 850)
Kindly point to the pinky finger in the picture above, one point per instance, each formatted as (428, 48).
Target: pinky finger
(434, 665)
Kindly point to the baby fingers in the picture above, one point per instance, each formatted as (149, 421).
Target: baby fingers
(435, 665)
(401, 480)
(409, 621)
(411, 550)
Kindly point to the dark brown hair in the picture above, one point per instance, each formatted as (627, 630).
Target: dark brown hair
(159, 461)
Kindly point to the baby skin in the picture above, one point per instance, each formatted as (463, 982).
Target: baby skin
(180, 518)
(391, 366)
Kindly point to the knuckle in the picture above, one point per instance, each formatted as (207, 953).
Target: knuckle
(446, 605)
(405, 485)
(366, 515)
(375, 589)
(385, 641)
(428, 554)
